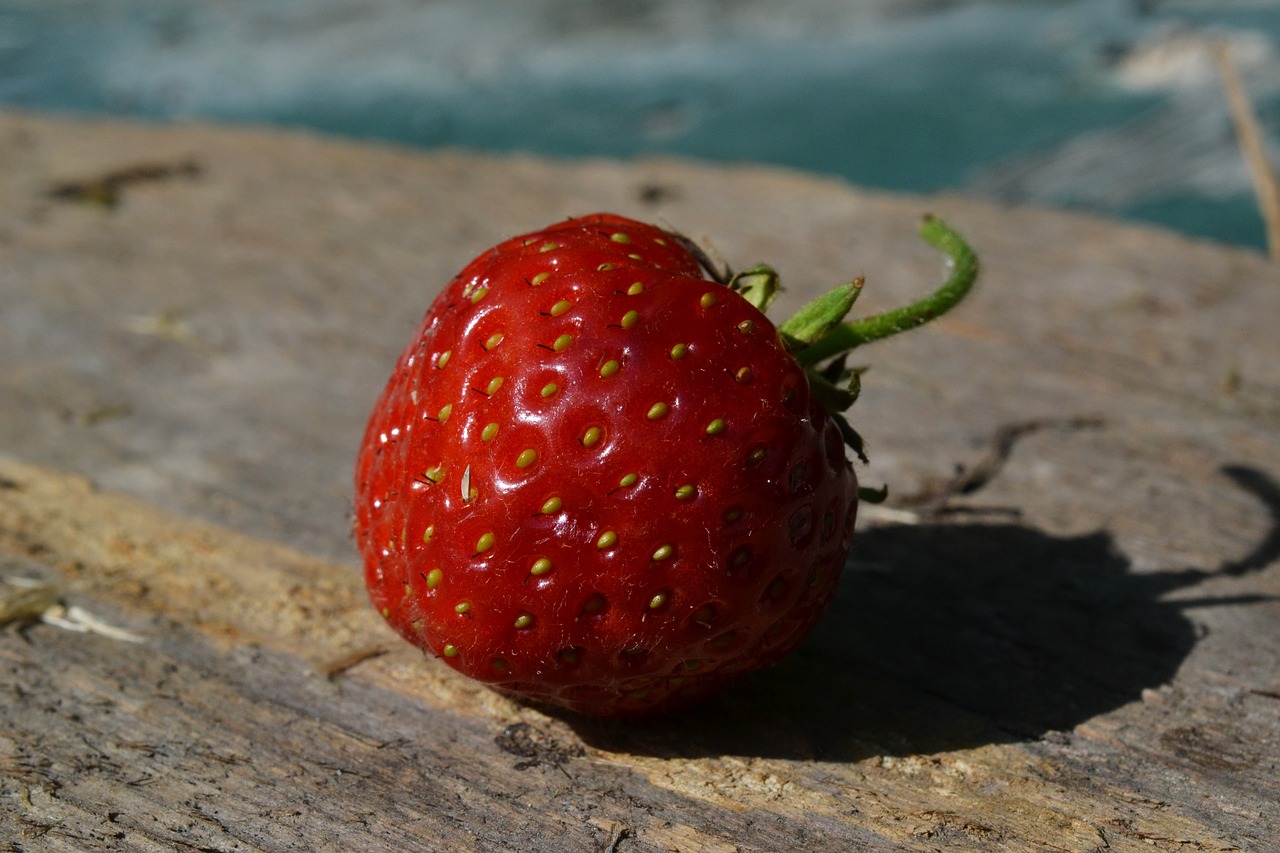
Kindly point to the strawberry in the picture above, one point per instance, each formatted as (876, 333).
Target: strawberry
(598, 479)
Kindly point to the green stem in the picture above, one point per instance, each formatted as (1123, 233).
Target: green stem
(964, 269)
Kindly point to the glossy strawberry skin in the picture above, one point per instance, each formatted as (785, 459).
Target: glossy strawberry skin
(597, 479)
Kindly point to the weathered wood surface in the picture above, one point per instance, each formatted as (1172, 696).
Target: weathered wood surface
(1082, 654)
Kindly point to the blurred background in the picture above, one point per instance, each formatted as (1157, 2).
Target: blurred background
(1110, 106)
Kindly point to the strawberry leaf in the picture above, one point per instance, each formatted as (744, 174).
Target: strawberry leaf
(869, 495)
(758, 285)
(830, 396)
(815, 320)
(851, 437)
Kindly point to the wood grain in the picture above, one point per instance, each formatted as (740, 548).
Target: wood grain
(1081, 653)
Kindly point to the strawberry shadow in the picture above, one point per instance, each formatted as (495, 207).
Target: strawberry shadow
(951, 636)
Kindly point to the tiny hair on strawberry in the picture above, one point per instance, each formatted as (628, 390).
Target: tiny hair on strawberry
(599, 477)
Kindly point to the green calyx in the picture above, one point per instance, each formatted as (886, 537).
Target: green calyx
(815, 321)
(820, 338)
(758, 285)
(818, 334)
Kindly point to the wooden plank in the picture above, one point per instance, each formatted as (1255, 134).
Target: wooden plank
(220, 727)
(1080, 654)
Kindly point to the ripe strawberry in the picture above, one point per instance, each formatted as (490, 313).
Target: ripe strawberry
(600, 480)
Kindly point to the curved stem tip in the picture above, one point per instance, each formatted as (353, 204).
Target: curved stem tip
(964, 271)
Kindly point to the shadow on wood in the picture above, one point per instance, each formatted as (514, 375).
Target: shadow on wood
(950, 636)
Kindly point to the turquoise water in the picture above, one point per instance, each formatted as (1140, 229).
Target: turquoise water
(1059, 103)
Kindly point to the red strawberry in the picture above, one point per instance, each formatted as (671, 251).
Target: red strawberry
(600, 480)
